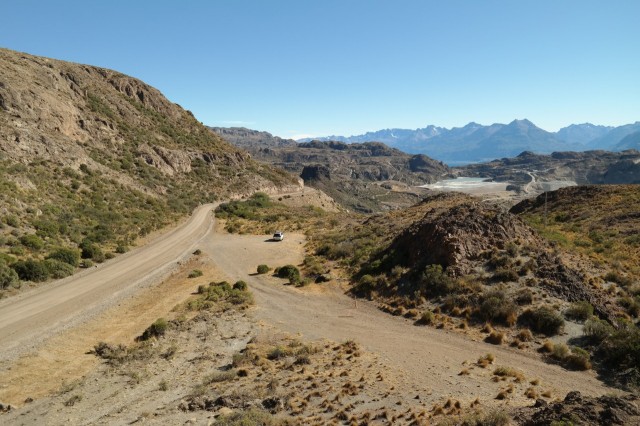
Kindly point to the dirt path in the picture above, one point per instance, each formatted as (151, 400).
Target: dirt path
(431, 359)
(29, 318)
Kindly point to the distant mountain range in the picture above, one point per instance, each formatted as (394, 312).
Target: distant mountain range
(475, 142)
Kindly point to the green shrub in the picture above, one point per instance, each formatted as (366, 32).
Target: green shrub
(560, 351)
(542, 320)
(121, 248)
(86, 263)
(31, 270)
(618, 278)
(263, 269)
(195, 273)
(621, 350)
(597, 330)
(91, 251)
(58, 269)
(12, 220)
(580, 311)
(631, 305)
(240, 285)
(505, 275)
(497, 307)
(157, 329)
(8, 277)
(524, 296)
(366, 284)
(66, 255)
(289, 272)
(240, 297)
(32, 241)
(578, 359)
(435, 281)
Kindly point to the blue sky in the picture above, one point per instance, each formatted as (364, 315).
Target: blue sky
(345, 67)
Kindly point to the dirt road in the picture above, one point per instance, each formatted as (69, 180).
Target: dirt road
(431, 359)
(27, 319)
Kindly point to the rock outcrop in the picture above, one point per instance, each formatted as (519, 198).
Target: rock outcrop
(576, 409)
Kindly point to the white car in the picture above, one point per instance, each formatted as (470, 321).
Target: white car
(278, 236)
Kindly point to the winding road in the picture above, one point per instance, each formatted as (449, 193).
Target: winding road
(29, 318)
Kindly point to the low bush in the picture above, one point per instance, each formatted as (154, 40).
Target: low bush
(505, 275)
(289, 272)
(8, 277)
(240, 285)
(58, 269)
(86, 263)
(618, 278)
(597, 330)
(621, 350)
(525, 335)
(91, 251)
(579, 311)
(560, 351)
(542, 320)
(195, 273)
(121, 248)
(495, 338)
(630, 305)
(578, 359)
(157, 329)
(31, 270)
(497, 307)
(32, 242)
(524, 296)
(427, 318)
(263, 269)
(66, 255)
(435, 282)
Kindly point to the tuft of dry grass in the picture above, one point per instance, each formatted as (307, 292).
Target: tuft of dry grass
(485, 360)
(495, 338)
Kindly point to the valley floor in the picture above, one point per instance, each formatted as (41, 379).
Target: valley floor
(419, 367)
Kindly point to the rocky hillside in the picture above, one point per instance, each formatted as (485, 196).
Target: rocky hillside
(91, 159)
(251, 140)
(363, 177)
(590, 167)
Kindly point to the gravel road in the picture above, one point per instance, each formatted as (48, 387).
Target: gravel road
(27, 319)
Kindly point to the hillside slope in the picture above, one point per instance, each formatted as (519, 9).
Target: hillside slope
(364, 177)
(91, 159)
